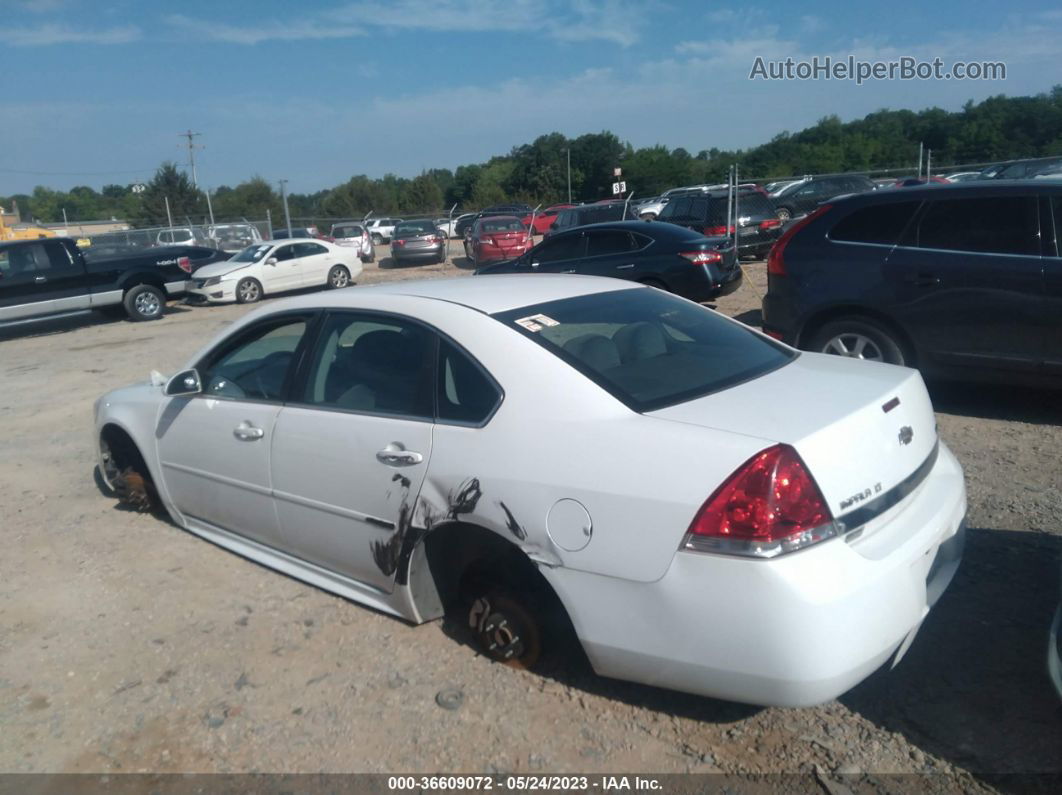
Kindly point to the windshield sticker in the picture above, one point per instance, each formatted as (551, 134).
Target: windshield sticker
(528, 324)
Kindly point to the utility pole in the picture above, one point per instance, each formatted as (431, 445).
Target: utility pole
(919, 159)
(191, 136)
(569, 153)
(929, 162)
(284, 199)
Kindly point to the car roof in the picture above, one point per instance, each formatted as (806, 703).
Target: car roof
(651, 228)
(294, 240)
(986, 187)
(487, 294)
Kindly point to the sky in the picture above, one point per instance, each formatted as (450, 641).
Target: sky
(97, 91)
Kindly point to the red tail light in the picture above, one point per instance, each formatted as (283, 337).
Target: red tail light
(775, 263)
(718, 231)
(400, 243)
(771, 223)
(702, 257)
(769, 506)
(184, 264)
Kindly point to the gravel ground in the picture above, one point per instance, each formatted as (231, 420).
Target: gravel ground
(129, 645)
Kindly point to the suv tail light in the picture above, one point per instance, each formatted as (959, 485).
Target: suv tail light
(718, 231)
(185, 264)
(702, 257)
(775, 263)
(769, 506)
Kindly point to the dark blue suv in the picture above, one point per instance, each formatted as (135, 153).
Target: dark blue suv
(962, 281)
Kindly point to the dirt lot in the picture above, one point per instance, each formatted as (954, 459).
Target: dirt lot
(129, 645)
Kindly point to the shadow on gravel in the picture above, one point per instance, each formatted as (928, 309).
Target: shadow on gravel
(753, 317)
(998, 402)
(569, 667)
(974, 687)
(464, 263)
(61, 325)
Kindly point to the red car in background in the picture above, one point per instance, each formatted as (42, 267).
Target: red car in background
(544, 218)
(497, 238)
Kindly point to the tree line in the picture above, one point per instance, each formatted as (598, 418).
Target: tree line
(998, 128)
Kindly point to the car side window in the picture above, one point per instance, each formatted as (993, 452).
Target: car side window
(282, 253)
(879, 223)
(59, 256)
(256, 364)
(990, 225)
(374, 364)
(608, 242)
(563, 248)
(28, 259)
(464, 392)
(309, 249)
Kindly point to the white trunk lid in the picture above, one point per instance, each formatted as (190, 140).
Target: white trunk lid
(860, 427)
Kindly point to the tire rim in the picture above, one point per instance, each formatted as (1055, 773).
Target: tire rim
(783, 215)
(148, 304)
(854, 346)
(340, 278)
(249, 291)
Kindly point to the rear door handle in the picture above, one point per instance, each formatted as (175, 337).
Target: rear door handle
(247, 432)
(40, 278)
(392, 456)
(624, 267)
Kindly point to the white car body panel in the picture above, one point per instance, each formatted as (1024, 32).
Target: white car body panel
(797, 629)
(284, 275)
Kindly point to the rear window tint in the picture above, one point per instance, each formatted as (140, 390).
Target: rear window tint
(880, 223)
(990, 225)
(646, 347)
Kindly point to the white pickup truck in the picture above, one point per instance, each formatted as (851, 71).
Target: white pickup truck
(381, 229)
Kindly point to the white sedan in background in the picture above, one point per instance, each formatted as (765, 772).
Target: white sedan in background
(276, 266)
(707, 509)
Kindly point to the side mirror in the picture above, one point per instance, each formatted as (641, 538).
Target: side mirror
(185, 382)
(271, 261)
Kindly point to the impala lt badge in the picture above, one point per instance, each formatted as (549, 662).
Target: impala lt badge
(906, 434)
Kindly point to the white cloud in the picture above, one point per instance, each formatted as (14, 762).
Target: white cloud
(616, 21)
(258, 33)
(44, 35)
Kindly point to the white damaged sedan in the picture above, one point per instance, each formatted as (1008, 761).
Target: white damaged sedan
(708, 509)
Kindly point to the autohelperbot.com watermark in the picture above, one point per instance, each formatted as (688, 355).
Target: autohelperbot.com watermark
(861, 71)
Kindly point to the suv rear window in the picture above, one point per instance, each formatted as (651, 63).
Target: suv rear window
(648, 348)
(879, 223)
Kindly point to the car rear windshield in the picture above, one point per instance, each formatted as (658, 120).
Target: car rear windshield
(346, 231)
(646, 347)
(415, 228)
(502, 225)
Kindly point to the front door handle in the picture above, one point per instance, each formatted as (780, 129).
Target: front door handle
(40, 278)
(247, 432)
(394, 456)
(624, 267)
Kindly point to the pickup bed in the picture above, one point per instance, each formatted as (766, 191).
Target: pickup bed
(50, 278)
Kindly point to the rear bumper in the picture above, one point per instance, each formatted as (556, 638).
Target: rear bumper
(433, 252)
(779, 311)
(794, 631)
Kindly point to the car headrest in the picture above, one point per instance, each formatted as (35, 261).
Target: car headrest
(595, 350)
(639, 341)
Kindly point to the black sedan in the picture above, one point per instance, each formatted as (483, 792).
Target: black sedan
(662, 255)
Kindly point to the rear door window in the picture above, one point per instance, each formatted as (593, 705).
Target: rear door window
(600, 243)
(988, 225)
(465, 393)
(564, 248)
(880, 223)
